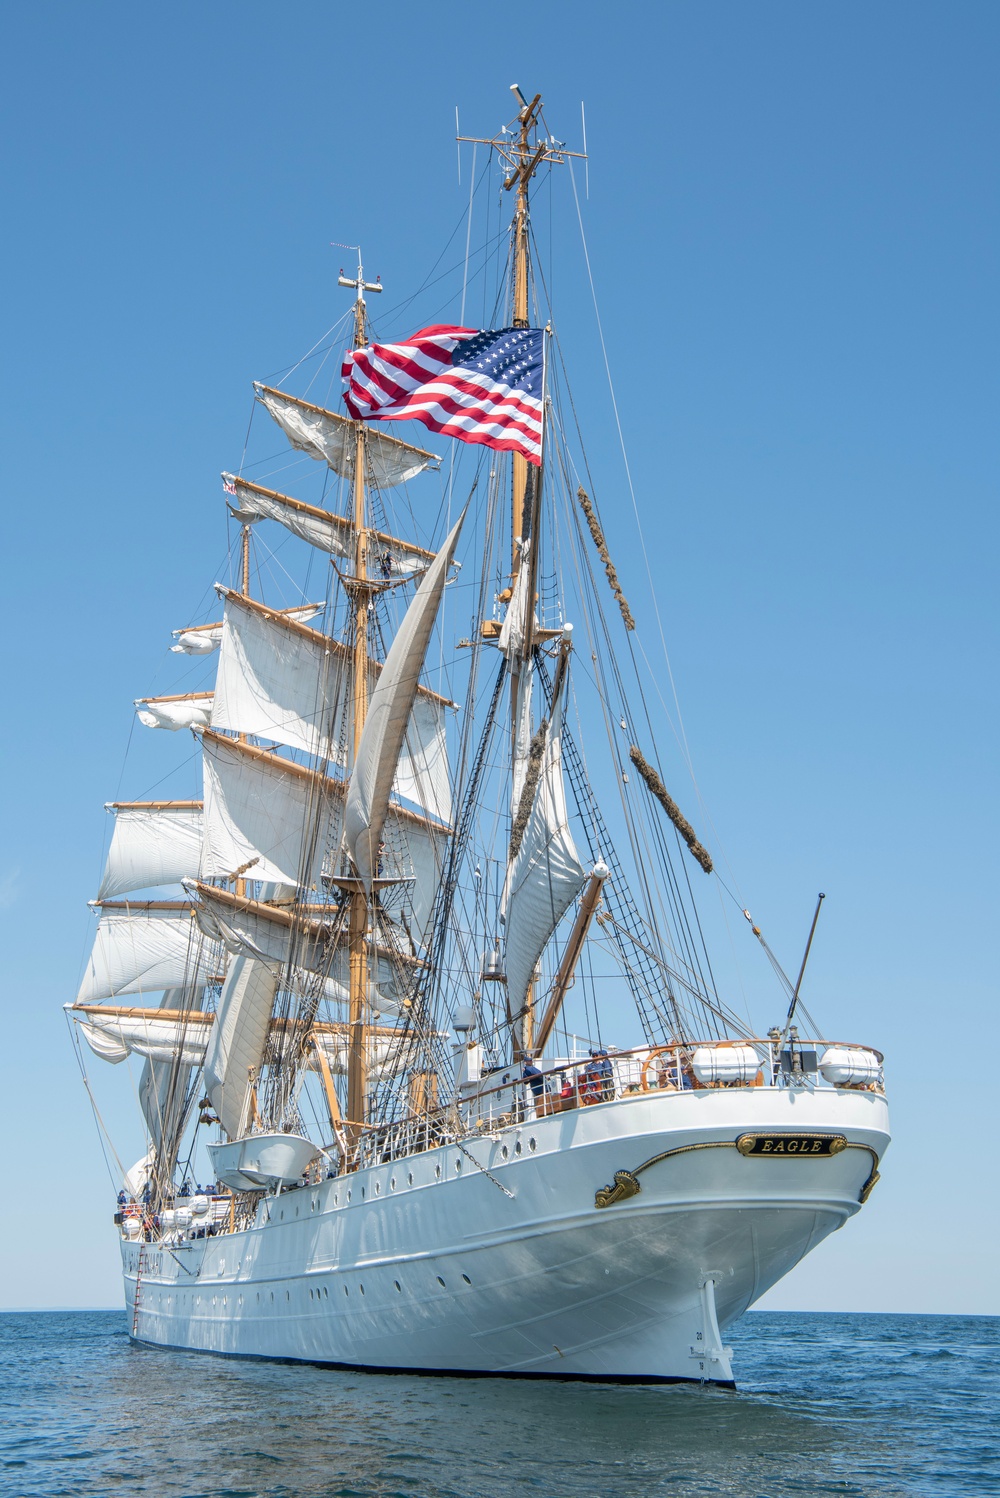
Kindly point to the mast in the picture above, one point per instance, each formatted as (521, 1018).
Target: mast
(357, 1051)
(523, 155)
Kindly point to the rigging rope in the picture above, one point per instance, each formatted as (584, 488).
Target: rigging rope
(673, 811)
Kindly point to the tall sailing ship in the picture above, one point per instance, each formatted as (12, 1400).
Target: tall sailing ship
(370, 969)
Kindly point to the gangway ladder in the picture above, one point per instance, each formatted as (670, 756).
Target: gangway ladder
(138, 1283)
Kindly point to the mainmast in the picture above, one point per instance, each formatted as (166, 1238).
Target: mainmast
(523, 154)
(361, 591)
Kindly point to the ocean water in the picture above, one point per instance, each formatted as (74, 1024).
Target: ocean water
(859, 1405)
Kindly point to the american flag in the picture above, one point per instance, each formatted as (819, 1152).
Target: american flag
(480, 386)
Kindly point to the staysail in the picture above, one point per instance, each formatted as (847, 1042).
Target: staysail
(238, 1040)
(544, 875)
(389, 713)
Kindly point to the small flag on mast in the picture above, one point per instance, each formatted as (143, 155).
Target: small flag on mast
(477, 385)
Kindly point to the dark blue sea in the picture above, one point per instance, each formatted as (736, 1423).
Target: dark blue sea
(859, 1405)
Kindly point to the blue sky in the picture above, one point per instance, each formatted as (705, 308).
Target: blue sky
(793, 226)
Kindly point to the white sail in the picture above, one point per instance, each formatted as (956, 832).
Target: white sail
(139, 950)
(151, 845)
(545, 875)
(306, 943)
(203, 639)
(252, 928)
(278, 680)
(164, 1085)
(166, 1041)
(389, 714)
(332, 439)
(265, 815)
(422, 772)
(238, 1039)
(192, 711)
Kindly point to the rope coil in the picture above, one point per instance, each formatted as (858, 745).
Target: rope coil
(605, 556)
(673, 811)
(531, 778)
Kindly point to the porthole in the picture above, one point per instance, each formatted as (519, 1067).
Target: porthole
(392, 1184)
(458, 1165)
(517, 1147)
(362, 1289)
(441, 1283)
(466, 1279)
(398, 1286)
(410, 1178)
(258, 1298)
(348, 1196)
(346, 1291)
(378, 1188)
(287, 1295)
(503, 1151)
(437, 1171)
(272, 1297)
(362, 1193)
(326, 1292)
(532, 1144)
(281, 1216)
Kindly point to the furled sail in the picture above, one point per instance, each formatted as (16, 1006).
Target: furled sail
(202, 639)
(331, 439)
(154, 843)
(141, 950)
(238, 1040)
(545, 874)
(192, 710)
(514, 631)
(389, 556)
(278, 680)
(389, 714)
(321, 528)
(264, 815)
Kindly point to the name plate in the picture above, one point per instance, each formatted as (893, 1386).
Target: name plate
(791, 1146)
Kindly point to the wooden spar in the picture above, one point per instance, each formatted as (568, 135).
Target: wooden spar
(357, 1045)
(132, 905)
(205, 1017)
(305, 632)
(197, 629)
(179, 697)
(155, 805)
(570, 958)
(330, 1092)
(329, 517)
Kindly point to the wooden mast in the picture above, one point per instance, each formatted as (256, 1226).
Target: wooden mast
(523, 524)
(357, 1051)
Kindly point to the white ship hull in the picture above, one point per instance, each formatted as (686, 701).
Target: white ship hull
(426, 1265)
